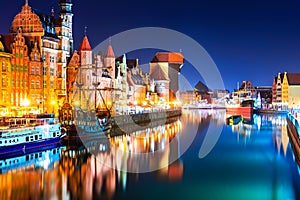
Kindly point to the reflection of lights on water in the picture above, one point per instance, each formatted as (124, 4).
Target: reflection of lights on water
(148, 140)
(152, 145)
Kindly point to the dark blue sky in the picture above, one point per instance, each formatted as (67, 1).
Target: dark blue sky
(248, 40)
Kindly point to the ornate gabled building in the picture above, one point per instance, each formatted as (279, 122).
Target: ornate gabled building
(39, 46)
(245, 92)
(136, 81)
(287, 93)
(90, 78)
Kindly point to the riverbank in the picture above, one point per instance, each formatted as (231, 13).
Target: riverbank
(123, 124)
(293, 132)
(87, 125)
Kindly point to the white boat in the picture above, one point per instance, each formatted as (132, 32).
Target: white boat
(29, 133)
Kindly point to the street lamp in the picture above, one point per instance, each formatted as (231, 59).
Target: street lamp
(25, 103)
(52, 103)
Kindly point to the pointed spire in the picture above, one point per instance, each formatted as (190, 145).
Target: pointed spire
(52, 12)
(85, 45)
(26, 2)
(109, 52)
(85, 30)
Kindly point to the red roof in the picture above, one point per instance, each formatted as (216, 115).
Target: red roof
(85, 45)
(170, 57)
(110, 52)
(293, 78)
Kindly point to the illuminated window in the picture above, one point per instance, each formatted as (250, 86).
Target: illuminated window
(32, 70)
(51, 71)
(37, 84)
(3, 82)
(38, 70)
(3, 66)
(32, 84)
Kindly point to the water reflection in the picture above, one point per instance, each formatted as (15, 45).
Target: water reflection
(91, 176)
(32, 176)
(85, 172)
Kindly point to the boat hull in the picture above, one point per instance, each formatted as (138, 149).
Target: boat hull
(245, 112)
(30, 147)
(271, 112)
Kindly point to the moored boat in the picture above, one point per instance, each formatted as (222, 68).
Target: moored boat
(244, 109)
(234, 119)
(28, 134)
(270, 111)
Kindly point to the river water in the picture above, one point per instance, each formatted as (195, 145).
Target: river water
(195, 157)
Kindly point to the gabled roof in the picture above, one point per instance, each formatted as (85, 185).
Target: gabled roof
(28, 20)
(281, 77)
(293, 78)
(246, 85)
(170, 57)
(110, 52)
(85, 45)
(201, 88)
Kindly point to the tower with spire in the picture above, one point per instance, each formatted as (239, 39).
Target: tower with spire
(109, 61)
(66, 16)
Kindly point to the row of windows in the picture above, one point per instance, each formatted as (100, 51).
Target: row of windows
(23, 83)
(35, 84)
(35, 70)
(19, 68)
(18, 82)
(21, 55)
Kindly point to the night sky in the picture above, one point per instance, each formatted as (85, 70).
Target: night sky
(248, 40)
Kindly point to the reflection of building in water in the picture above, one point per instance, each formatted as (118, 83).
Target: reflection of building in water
(242, 129)
(148, 140)
(196, 116)
(94, 172)
(280, 136)
(24, 181)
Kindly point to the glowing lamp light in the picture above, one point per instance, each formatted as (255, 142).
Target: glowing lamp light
(25, 102)
(52, 102)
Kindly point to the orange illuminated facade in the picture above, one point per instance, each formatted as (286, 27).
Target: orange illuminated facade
(36, 52)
